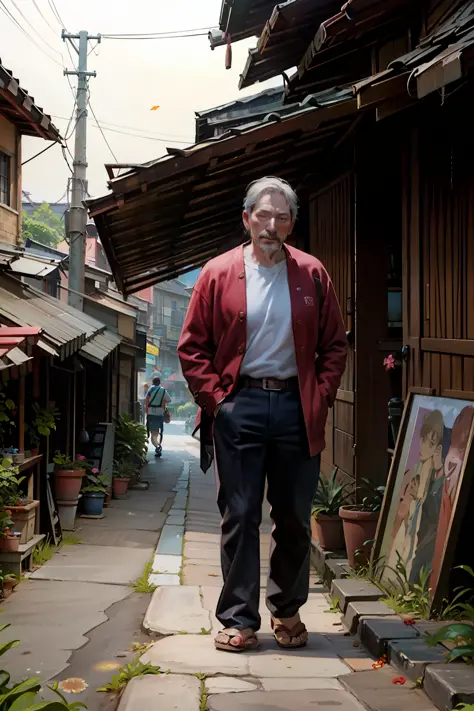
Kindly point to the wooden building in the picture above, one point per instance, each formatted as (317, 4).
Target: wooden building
(378, 147)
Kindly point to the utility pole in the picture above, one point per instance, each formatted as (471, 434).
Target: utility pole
(77, 215)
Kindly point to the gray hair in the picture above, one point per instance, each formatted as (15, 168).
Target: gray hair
(267, 185)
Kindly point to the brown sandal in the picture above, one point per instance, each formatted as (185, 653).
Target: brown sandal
(228, 640)
(289, 633)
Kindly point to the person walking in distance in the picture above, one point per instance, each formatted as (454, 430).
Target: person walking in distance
(263, 348)
(156, 400)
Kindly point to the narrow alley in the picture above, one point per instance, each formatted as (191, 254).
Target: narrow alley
(78, 618)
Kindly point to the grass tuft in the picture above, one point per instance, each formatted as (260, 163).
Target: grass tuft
(141, 584)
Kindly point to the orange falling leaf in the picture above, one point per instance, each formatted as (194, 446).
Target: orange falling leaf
(399, 680)
(154, 108)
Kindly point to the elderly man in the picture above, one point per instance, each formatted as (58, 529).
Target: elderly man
(263, 349)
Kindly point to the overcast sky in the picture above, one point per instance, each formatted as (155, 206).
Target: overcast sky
(180, 75)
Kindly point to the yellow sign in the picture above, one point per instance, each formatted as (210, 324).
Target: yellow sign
(152, 350)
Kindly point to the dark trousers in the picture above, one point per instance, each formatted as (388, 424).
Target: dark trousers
(261, 435)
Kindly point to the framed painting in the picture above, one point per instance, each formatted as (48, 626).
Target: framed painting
(427, 490)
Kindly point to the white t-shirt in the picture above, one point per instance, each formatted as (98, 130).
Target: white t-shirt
(270, 349)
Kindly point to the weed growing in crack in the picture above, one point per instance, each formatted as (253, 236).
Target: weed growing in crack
(204, 631)
(136, 668)
(142, 584)
(204, 692)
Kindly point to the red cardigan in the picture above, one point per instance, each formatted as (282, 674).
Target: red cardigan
(213, 339)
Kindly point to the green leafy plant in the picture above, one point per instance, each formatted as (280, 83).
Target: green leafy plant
(24, 695)
(64, 461)
(9, 484)
(373, 501)
(136, 668)
(142, 584)
(95, 483)
(335, 606)
(6, 524)
(130, 439)
(329, 497)
(43, 552)
(7, 408)
(464, 707)
(124, 469)
(44, 420)
(405, 597)
(461, 635)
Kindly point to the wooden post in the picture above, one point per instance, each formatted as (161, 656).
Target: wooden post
(21, 413)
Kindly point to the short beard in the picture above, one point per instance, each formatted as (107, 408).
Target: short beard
(269, 249)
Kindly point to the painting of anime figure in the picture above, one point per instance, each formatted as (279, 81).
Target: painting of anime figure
(428, 471)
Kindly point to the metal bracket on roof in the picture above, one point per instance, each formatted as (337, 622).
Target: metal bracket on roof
(176, 152)
(273, 117)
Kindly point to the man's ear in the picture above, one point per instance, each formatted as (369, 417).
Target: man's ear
(246, 219)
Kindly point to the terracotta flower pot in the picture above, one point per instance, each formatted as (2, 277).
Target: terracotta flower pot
(8, 587)
(359, 527)
(67, 484)
(9, 544)
(327, 530)
(24, 520)
(120, 487)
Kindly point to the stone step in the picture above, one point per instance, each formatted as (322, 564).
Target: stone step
(165, 692)
(173, 610)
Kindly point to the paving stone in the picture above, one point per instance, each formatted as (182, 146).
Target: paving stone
(448, 685)
(318, 659)
(163, 563)
(126, 519)
(202, 575)
(191, 654)
(376, 691)
(171, 540)
(176, 518)
(357, 609)
(376, 633)
(352, 589)
(228, 685)
(356, 657)
(284, 701)
(158, 579)
(173, 610)
(412, 656)
(337, 568)
(95, 564)
(300, 684)
(166, 692)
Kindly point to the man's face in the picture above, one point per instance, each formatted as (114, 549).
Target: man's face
(270, 223)
(428, 446)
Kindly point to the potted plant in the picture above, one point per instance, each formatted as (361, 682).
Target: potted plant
(68, 475)
(122, 474)
(93, 492)
(8, 582)
(130, 440)
(326, 524)
(360, 524)
(32, 441)
(9, 540)
(22, 509)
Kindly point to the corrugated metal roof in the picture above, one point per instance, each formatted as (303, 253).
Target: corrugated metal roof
(291, 27)
(244, 18)
(100, 346)
(65, 329)
(441, 58)
(20, 108)
(110, 302)
(172, 215)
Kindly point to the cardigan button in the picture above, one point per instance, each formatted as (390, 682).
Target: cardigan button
(241, 276)
(298, 288)
(241, 350)
(241, 315)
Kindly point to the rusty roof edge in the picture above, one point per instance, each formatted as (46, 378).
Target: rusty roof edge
(48, 131)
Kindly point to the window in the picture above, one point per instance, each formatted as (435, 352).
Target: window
(5, 182)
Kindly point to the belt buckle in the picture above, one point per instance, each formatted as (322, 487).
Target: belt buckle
(265, 385)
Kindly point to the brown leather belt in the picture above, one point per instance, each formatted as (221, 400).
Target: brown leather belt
(271, 384)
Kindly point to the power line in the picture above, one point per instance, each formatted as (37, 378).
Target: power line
(35, 30)
(56, 14)
(103, 134)
(137, 135)
(155, 37)
(40, 153)
(154, 34)
(44, 18)
(153, 135)
(13, 19)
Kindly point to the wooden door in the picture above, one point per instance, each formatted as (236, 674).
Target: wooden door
(331, 241)
(439, 263)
